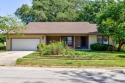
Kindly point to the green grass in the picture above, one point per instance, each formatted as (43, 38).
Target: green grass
(89, 58)
(88, 55)
(76, 63)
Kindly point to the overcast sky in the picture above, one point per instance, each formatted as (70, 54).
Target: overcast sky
(8, 7)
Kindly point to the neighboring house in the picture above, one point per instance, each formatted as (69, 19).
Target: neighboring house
(79, 35)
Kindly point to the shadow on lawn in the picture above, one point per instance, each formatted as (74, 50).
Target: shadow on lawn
(121, 56)
(94, 51)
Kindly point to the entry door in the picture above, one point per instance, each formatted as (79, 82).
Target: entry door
(25, 44)
(84, 42)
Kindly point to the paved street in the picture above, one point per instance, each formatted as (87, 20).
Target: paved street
(60, 75)
(8, 58)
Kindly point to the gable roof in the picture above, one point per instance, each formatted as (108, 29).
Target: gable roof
(60, 28)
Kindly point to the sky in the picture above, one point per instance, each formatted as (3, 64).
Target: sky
(8, 7)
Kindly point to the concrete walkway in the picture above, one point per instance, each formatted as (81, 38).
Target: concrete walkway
(60, 75)
(9, 58)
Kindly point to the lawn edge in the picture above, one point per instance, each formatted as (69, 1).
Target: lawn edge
(73, 67)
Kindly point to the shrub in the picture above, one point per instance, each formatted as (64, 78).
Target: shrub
(101, 47)
(110, 48)
(43, 49)
(2, 47)
(55, 48)
(68, 51)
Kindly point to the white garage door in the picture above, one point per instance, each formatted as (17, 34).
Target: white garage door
(25, 44)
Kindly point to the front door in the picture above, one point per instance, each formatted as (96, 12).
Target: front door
(84, 42)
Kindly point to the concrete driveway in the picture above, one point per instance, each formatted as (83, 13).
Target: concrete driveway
(9, 58)
(60, 75)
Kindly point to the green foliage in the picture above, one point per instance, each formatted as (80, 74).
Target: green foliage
(2, 40)
(122, 48)
(43, 49)
(54, 48)
(101, 47)
(63, 10)
(2, 47)
(1, 43)
(10, 24)
(90, 10)
(57, 48)
(24, 13)
(68, 51)
(50, 10)
(111, 21)
(60, 10)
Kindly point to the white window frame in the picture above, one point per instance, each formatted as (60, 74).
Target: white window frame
(102, 40)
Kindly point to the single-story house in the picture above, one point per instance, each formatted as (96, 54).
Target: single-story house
(79, 35)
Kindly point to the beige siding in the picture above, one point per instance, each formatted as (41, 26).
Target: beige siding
(92, 39)
(110, 41)
(9, 40)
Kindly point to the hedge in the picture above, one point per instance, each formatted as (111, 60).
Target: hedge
(101, 47)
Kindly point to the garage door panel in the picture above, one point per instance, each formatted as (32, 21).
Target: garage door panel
(25, 44)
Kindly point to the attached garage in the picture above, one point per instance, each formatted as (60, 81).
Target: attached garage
(25, 44)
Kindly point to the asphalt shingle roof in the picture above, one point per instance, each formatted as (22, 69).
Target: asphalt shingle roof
(60, 28)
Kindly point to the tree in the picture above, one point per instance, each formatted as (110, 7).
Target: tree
(50, 11)
(111, 21)
(24, 13)
(10, 24)
(90, 10)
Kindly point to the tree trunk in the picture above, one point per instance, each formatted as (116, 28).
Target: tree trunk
(120, 45)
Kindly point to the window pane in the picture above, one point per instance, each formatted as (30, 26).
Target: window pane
(105, 39)
(99, 39)
(69, 41)
(69, 38)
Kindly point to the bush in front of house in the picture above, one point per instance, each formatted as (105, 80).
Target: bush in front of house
(2, 47)
(43, 49)
(101, 47)
(55, 48)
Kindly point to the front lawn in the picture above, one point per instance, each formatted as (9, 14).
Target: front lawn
(89, 58)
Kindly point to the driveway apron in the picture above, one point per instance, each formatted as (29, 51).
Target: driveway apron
(9, 58)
